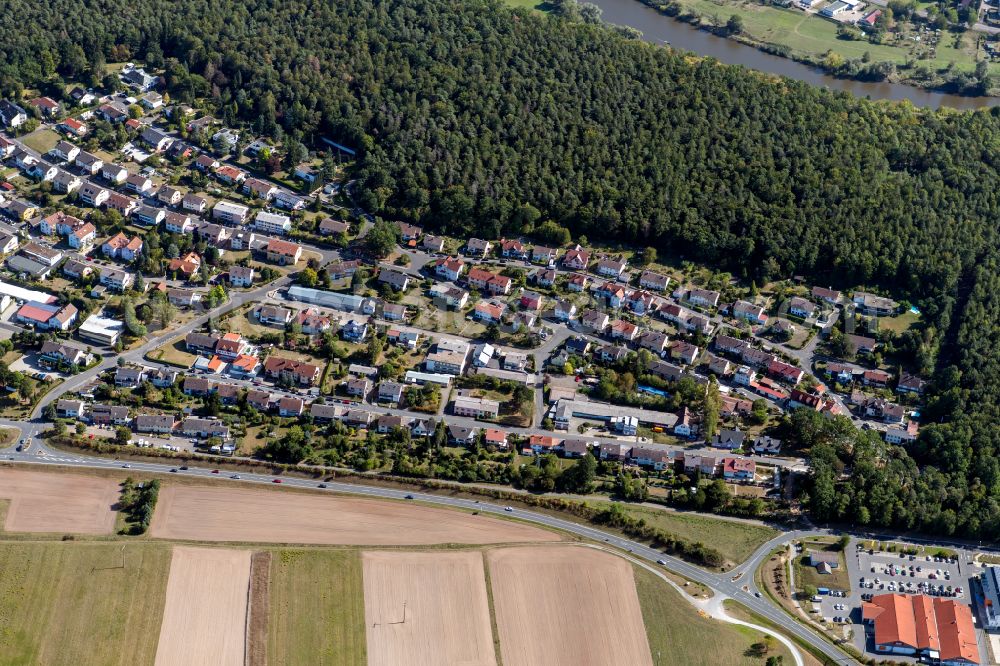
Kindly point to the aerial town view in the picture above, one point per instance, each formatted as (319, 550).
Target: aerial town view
(403, 332)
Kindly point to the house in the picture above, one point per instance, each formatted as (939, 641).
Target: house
(48, 106)
(65, 182)
(158, 423)
(127, 377)
(861, 344)
(391, 392)
(306, 172)
(65, 151)
(388, 423)
(19, 210)
(685, 352)
(11, 115)
(200, 343)
(283, 252)
(512, 249)
(408, 232)
(484, 280)
(542, 444)
(531, 300)
(408, 339)
(612, 268)
(162, 378)
(156, 139)
(594, 320)
(655, 341)
(312, 322)
(136, 77)
(830, 296)
(122, 247)
(42, 171)
(654, 281)
(515, 361)
(785, 372)
(688, 423)
(183, 298)
(108, 415)
(121, 203)
(76, 269)
(489, 312)
(801, 307)
(93, 195)
(151, 100)
(291, 370)
(169, 196)
(480, 408)
(148, 215)
(564, 310)
(73, 127)
(58, 353)
(766, 445)
(733, 406)
(611, 353)
(70, 409)
(262, 400)
(46, 317)
(650, 456)
(477, 247)
(114, 173)
(230, 213)
(194, 203)
(462, 436)
(543, 255)
(445, 362)
(138, 184)
(393, 312)
(8, 243)
(113, 112)
(842, 373)
(935, 629)
(47, 256)
(7, 147)
(256, 188)
(576, 259)
(82, 238)
(397, 280)
(909, 383)
(288, 201)
(230, 175)
(290, 407)
(719, 366)
(241, 276)
(274, 315)
(116, 278)
(495, 438)
(332, 227)
(432, 243)
(615, 451)
(615, 293)
(705, 298)
(738, 469)
(757, 358)
(901, 436)
(90, 163)
(206, 163)
(451, 296)
(230, 346)
(577, 282)
(623, 330)
(885, 411)
(625, 425)
(178, 223)
(354, 331)
(244, 365)
(204, 428)
(728, 439)
(449, 268)
(876, 378)
(748, 312)
(340, 270)
(642, 302)
(872, 305)
(544, 277)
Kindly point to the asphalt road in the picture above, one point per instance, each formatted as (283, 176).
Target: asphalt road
(39, 454)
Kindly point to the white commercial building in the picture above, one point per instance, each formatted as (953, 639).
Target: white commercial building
(102, 330)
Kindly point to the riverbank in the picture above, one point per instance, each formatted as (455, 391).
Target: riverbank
(913, 55)
(697, 35)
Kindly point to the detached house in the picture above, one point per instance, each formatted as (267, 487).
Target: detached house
(655, 281)
(576, 259)
(612, 268)
(449, 268)
(122, 247)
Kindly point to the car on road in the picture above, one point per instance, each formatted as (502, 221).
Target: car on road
(408, 497)
(215, 471)
(126, 466)
(235, 476)
(173, 469)
(276, 481)
(184, 467)
(508, 508)
(322, 485)
(663, 562)
(757, 594)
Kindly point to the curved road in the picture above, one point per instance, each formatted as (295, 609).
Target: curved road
(721, 584)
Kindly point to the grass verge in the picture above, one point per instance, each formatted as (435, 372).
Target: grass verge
(317, 611)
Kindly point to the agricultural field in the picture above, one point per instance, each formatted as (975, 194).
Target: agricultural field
(204, 617)
(566, 606)
(204, 513)
(736, 540)
(428, 608)
(71, 604)
(316, 609)
(46, 502)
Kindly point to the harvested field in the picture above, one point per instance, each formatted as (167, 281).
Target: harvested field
(44, 502)
(222, 514)
(260, 599)
(205, 615)
(447, 616)
(566, 606)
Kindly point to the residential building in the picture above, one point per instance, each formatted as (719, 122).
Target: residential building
(65, 182)
(148, 215)
(230, 213)
(449, 268)
(194, 203)
(128, 377)
(122, 247)
(655, 341)
(57, 353)
(46, 317)
(486, 281)
(739, 469)
(272, 223)
(531, 300)
(624, 330)
(116, 278)
(258, 189)
(576, 259)
(93, 195)
(114, 173)
(728, 439)
(477, 247)
(391, 392)
(138, 184)
(354, 331)
(398, 280)
(158, 423)
(612, 268)
(801, 307)
(283, 252)
(705, 298)
(873, 305)
(577, 282)
(543, 255)
(654, 281)
(12, 115)
(564, 310)
(241, 276)
(830, 296)
(156, 139)
(65, 151)
(291, 370)
(489, 312)
(748, 312)
(183, 298)
(594, 320)
(447, 362)
(121, 203)
(290, 407)
(512, 249)
(432, 243)
(331, 227)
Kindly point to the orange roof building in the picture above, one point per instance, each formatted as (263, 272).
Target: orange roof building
(917, 624)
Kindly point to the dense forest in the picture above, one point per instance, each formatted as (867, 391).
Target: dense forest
(470, 116)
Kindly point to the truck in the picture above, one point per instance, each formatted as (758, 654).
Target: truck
(823, 590)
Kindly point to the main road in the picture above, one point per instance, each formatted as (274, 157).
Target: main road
(722, 584)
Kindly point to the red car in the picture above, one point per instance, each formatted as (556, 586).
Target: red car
(215, 471)
(276, 481)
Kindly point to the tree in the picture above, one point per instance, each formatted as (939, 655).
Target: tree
(308, 277)
(649, 256)
(712, 411)
(80, 428)
(734, 25)
(382, 238)
(122, 435)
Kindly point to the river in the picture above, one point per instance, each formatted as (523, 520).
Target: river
(659, 28)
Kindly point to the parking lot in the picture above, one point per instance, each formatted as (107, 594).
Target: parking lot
(880, 573)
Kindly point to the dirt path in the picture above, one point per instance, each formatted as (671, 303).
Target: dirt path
(260, 579)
